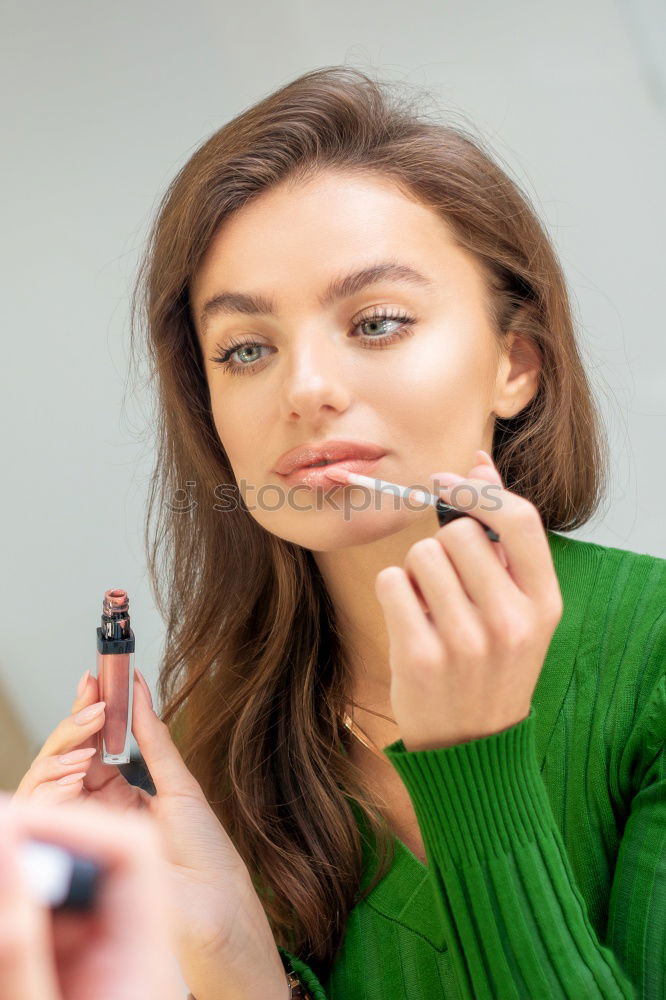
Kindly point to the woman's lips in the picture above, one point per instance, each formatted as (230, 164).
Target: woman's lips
(317, 477)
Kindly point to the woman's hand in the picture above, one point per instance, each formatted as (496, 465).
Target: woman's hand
(117, 951)
(224, 943)
(468, 635)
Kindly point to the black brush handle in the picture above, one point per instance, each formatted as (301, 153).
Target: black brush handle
(445, 513)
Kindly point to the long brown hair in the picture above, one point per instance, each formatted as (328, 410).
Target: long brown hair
(253, 680)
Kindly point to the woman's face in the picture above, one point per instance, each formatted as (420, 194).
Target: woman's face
(424, 388)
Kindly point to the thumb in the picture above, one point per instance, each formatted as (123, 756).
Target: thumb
(167, 768)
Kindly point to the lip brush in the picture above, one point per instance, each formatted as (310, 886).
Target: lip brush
(445, 513)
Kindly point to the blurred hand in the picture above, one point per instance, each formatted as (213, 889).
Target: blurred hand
(224, 943)
(120, 950)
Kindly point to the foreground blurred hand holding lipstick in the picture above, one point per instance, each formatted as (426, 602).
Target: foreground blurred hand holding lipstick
(120, 950)
(223, 941)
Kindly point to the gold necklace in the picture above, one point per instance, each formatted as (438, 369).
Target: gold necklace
(363, 738)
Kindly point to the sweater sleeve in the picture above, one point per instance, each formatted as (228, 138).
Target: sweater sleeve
(515, 920)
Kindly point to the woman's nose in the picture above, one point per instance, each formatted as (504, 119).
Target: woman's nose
(315, 379)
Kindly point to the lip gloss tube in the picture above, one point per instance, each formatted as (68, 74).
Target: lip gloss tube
(115, 677)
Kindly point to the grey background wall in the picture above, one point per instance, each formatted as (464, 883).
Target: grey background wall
(103, 103)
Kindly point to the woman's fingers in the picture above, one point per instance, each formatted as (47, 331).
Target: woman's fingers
(470, 552)
(82, 730)
(43, 776)
(56, 779)
(79, 729)
(167, 768)
(78, 732)
(395, 593)
(54, 768)
(445, 594)
(516, 521)
(52, 778)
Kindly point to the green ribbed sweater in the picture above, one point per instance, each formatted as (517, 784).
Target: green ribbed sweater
(546, 842)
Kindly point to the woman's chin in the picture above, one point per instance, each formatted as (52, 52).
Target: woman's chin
(325, 530)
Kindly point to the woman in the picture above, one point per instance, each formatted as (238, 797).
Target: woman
(439, 757)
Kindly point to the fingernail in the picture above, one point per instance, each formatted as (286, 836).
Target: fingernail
(76, 756)
(69, 779)
(82, 684)
(86, 714)
(446, 478)
(487, 460)
(486, 457)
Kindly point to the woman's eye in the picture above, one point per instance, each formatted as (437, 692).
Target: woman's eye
(373, 340)
(222, 360)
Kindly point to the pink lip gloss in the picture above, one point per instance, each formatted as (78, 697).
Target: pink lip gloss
(115, 676)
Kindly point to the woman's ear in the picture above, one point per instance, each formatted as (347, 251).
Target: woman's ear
(517, 375)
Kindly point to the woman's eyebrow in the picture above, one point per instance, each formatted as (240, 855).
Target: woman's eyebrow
(228, 303)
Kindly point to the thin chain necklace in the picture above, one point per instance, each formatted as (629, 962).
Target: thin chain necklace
(363, 737)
